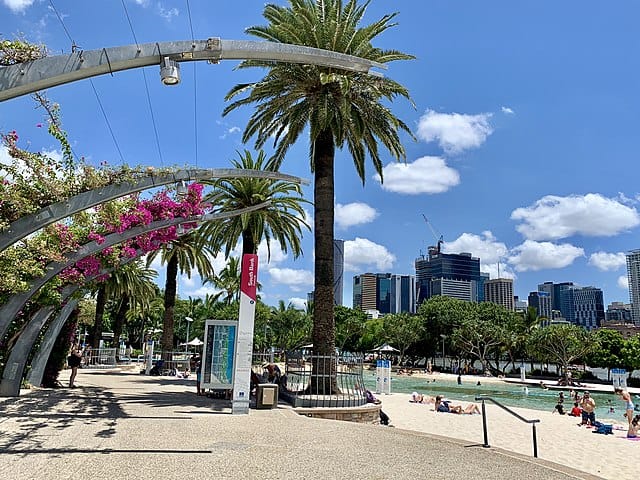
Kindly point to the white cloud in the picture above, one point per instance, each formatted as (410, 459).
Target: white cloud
(608, 261)
(354, 214)
(506, 110)
(277, 255)
(167, 13)
(17, 6)
(454, 132)
(496, 270)
(425, 175)
(297, 280)
(484, 246)
(201, 292)
(553, 217)
(533, 256)
(362, 253)
(299, 303)
(623, 282)
(143, 3)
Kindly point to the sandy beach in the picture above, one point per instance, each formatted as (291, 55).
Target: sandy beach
(560, 440)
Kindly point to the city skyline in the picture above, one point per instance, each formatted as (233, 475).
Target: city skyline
(523, 140)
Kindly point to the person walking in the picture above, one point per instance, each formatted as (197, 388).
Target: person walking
(74, 360)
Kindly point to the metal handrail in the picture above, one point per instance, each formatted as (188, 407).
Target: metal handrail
(533, 422)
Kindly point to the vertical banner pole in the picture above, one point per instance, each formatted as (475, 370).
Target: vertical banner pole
(244, 339)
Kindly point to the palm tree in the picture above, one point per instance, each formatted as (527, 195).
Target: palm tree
(130, 281)
(182, 256)
(336, 106)
(228, 280)
(282, 220)
(132, 284)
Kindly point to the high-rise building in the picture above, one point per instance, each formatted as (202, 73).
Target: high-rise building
(619, 312)
(541, 301)
(499, 291)
(364, 291)
(440, 273)
(338, 271)
(403, 294)
(578, 305)
(384, 292)
(633, 274)
(554, 289)
(587, 305)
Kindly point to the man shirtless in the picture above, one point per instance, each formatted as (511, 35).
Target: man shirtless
(588, 406)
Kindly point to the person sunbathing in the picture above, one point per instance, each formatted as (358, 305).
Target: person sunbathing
(445, 406)
(420, 398)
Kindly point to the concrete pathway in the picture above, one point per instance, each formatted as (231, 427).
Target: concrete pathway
(129, 426)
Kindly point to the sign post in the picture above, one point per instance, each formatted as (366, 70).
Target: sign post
(244, 340)
(383, 376)
(619, 377)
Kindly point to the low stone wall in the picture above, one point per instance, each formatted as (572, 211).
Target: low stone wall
(369, 413)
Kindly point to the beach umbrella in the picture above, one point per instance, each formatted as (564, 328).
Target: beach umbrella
(385, 348)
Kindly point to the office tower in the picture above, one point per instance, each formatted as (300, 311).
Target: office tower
(520, 305)
(499, 291)
(403, 294)
(448, 274)
(554, 289)
(338, 271)
(364, 291)
(633, 274)
(587, 306)
(384, 292)
(619, 312)
(541, 301)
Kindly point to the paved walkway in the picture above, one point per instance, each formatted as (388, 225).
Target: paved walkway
(128, 426)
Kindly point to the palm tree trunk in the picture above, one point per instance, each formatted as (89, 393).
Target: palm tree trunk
(323, 378)
(101, 301)
(170, 289)
(248, 242)
(120, 319)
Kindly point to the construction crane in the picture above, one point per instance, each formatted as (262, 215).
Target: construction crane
(439, 238)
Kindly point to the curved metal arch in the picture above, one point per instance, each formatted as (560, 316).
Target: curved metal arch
(41, 357)
(9, 310)
(29, 77)
(28, 224)
(12, 374)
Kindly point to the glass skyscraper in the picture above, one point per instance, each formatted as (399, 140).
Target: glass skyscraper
(460, 268)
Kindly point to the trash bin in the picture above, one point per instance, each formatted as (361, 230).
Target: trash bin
(267, 395)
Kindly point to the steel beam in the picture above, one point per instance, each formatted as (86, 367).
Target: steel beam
(29, 77)
(9, 310)
(28, 224)
(12, 374)
(41, 357)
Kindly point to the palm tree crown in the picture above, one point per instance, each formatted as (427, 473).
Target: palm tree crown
(282, 220)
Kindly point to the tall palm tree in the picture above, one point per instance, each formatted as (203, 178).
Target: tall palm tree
(180, 256)
(131, 281)
(281, 221)
(338, 107)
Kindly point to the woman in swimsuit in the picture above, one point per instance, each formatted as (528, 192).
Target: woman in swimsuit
(628, 404)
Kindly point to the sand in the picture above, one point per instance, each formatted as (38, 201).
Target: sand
(560, 440)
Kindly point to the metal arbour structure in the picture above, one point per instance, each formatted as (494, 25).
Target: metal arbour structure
(29, 77)
(12, 374)
(20, 79)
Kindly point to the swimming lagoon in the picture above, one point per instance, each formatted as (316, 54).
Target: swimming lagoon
(512, 395)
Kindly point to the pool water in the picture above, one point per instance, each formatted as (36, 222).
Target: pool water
(512, 395)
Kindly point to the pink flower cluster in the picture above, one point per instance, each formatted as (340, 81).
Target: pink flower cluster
(160, 207)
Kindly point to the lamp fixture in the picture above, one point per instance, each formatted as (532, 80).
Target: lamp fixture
(169, 71)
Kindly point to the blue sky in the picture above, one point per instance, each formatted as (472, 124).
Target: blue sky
(526, 117)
